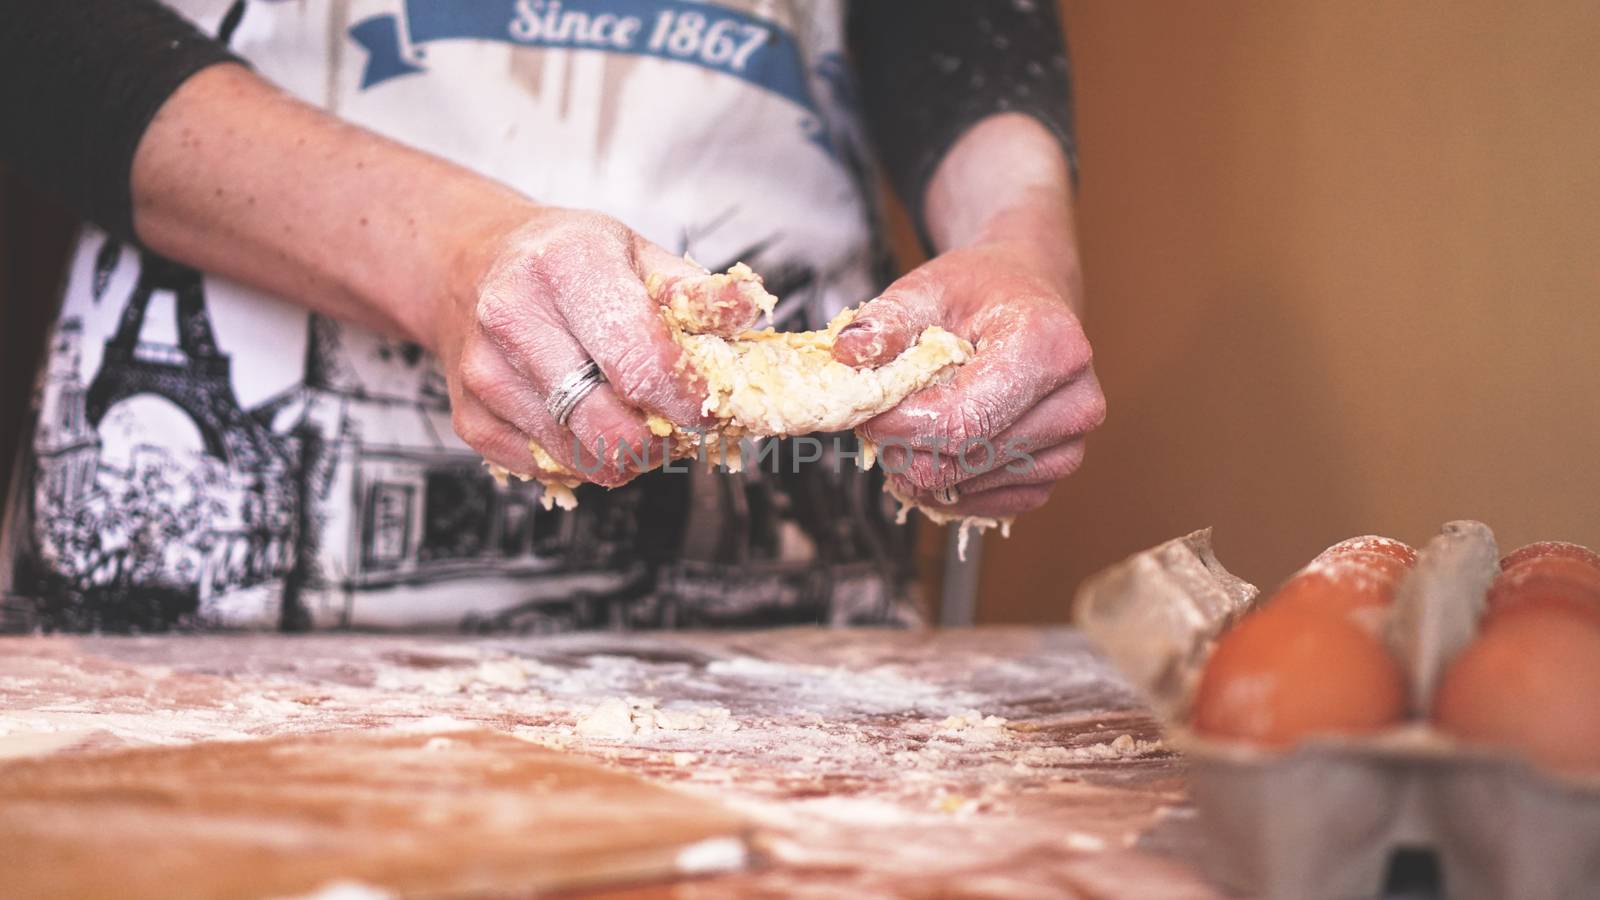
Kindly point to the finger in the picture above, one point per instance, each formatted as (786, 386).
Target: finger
(997, 503)
(1072, 410)
(1004, 502)
(702, 302)
(495, 439)
(604, 441)
(887, 325)
(1025, 351)
(1045, 445)
(517, 368)
(985, 465)
(1042, 467)
(606, 308)
(924, 470)
(654, 259)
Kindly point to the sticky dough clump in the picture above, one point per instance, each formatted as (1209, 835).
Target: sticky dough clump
(771, 383)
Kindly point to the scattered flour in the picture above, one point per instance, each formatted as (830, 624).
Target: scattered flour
(713, 855)
(1122, 747)
(618, 719)
(434, 725)
(486, 676)
(971, 723)
(874, 755)
(347, 890)
(1089, 843)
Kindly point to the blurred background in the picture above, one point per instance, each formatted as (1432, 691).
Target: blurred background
(1343, 263)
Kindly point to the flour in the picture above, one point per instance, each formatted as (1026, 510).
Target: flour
(971, 720)
(841, 691)
(434, 725)
(1089, 843)
(711, 856)
(501, 674)
(619, 719)
(1121, 747)
(475, 677)
(899, 753)
(973, 727)
(347, 890)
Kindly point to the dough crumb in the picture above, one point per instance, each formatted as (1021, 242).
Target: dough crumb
(971, 719)
(1089, 843)
(616, 719)
(347, 890)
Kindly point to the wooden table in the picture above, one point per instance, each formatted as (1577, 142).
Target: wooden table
(1004, 762)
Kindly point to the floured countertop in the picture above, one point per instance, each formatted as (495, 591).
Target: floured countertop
(988, 762)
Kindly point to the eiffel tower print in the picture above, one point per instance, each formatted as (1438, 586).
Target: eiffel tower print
(195, 375)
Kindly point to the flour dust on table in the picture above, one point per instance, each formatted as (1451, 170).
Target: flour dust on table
(204, 455)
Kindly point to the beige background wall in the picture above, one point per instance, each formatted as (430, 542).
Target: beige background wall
(1344, 274)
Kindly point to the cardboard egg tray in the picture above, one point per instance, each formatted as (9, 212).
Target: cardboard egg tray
(1323, 819)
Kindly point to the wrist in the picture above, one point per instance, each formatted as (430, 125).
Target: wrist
(1004, 175)
(461, 244)
(1037, 239)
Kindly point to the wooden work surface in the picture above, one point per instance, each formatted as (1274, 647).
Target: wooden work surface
(987, 762)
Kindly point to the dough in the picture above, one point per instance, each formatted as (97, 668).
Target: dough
(771, 383)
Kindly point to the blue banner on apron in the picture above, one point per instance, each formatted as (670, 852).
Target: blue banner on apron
(734, 43)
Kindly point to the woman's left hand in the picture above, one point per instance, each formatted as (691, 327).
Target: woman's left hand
(1010, 424)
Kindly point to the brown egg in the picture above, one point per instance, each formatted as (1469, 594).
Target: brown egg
(1399, 551)
(1284, 673)
(1582, 608)
(1549, 549)
(1342, 589)
(1353, 575)
(1532, 684)
(1559, 582)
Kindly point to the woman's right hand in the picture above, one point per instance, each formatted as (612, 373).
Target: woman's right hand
(532, 301)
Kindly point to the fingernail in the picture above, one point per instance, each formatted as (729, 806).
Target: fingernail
(866, 327)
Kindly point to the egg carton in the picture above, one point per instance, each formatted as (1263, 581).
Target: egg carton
(1324, 818)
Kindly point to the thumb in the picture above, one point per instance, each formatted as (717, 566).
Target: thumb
(886, 326)
(702, 302)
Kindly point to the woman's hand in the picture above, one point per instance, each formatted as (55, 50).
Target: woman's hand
(1010, 424)
(994, 440)
(541, 297)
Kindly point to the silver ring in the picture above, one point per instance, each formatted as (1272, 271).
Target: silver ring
(571, 390)
(948, 496)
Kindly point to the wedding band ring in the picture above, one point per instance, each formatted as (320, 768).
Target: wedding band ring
(571, 390)
(948, 496)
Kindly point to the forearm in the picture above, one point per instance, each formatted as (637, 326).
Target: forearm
(1007, 181)
(235, 177)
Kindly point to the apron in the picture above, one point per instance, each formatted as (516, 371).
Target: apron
(205, 455)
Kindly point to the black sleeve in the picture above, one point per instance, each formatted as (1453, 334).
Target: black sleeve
(931, 69)
(80, 81)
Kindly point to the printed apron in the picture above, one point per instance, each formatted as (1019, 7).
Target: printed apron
(205, 455)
